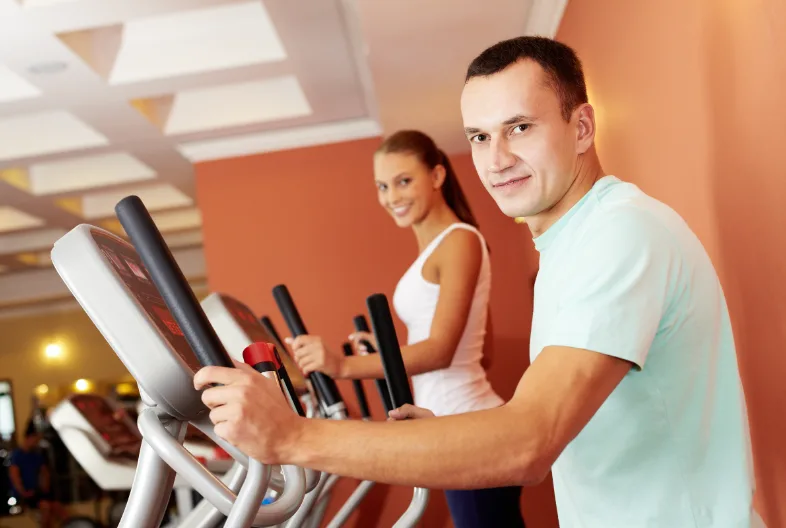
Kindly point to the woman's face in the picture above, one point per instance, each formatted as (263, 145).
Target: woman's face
(406, 188)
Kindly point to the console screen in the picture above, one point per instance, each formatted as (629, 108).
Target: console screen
(129, 267)
(256, 332)
(101, 417)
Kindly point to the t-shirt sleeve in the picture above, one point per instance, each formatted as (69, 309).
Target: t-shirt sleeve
(616, 287)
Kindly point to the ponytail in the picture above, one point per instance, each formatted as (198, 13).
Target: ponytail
(454, 195)
(422, 146)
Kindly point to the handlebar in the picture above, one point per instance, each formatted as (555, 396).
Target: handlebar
(171, 283)
(360, 393)
(325, 386)
(361, 325)
(392, 362)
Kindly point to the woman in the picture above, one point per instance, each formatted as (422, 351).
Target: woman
(443, 300)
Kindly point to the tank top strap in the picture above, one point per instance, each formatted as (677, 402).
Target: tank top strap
(434, 244)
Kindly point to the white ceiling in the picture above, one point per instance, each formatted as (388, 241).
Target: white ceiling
(100, 99)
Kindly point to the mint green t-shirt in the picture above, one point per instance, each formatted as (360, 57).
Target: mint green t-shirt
(622, 274)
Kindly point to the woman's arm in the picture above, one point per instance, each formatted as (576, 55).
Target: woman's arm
(457, 261)
(488, 343)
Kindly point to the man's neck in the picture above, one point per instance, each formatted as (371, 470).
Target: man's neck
(588, 172)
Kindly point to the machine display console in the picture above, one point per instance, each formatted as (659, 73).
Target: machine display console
(100, 415)
(132, 272)
(256, 332)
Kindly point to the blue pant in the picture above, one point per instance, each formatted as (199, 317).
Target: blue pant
(491, 507)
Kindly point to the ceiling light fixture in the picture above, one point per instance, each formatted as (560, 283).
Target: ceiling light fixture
(53, 350)
(48, 68)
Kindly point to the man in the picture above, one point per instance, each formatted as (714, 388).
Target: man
(30, 479)
(633, 397)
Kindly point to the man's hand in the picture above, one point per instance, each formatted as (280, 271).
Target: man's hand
(409, 412)
(312, 355)
(249, 411)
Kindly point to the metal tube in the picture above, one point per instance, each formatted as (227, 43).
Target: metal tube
(144, 508)
(351, 505)
(250, 497)
(415, 511)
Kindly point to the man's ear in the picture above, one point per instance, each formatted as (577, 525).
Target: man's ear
(585, 127)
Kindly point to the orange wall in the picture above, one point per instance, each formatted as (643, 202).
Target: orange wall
(690, 107)
(309, 218)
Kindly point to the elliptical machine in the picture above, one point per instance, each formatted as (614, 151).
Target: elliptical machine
(139, 300)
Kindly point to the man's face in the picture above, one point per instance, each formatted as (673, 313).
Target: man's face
(31, 441)
(523, 149)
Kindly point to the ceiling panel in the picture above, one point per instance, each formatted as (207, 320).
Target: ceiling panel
(178, 220)
(36, 259)
(29, 240)
(36, 3)
(184, 239)
(155, 197)
(86, 172)
(237, 104)
(45, 133)
(12, 219)
(13, 87)
(281, 139)
(200, 40)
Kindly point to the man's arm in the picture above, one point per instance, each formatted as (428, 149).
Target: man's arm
(45, 479)
(16, 479)
(513, 444)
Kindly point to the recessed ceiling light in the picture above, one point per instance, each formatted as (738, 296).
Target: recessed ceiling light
(48, 68)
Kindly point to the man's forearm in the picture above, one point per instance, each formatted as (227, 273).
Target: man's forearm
(474, 450)
(16, 479)
(45, 481)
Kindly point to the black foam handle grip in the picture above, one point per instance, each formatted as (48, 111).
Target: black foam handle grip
(270, 328)
(361, 325)
(360, 393)
(171, 283)
(389, 350)
(326, 388)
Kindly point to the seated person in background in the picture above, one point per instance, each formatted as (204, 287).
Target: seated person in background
(30, 479)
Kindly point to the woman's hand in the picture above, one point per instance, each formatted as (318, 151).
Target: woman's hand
(359, 339)
(409, 412)
(311, 355)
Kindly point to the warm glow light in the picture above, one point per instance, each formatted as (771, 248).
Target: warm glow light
(520, 220)
(42, 390)
(82, 385)
(53, 350)
(125, 389)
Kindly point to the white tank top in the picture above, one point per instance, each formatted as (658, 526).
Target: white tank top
(461, 387)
